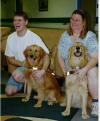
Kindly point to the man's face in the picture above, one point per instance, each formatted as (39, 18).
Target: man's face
(19, 23)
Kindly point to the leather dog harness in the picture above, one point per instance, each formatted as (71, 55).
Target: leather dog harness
(73, 71)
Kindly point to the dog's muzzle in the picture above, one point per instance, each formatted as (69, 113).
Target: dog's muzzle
(31, 56)
(78, 52)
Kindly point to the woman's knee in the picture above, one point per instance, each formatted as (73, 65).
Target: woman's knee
(11, 90)
(93, 82)
(93, 77)
(92, 72)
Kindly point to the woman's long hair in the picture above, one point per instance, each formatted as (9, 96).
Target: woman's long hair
(84, 30)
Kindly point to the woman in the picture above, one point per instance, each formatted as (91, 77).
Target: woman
(77, 32)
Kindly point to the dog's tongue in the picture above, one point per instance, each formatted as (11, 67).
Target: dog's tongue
(77, 54)
(31, 60)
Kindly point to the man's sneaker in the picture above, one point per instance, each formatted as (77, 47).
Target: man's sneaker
(94, 107)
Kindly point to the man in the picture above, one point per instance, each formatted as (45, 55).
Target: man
(16, 44)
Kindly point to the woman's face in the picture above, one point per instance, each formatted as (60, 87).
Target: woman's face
(76, 22)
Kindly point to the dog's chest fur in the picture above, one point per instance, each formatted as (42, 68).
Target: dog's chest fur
(30, 80)
(33, 83)
(76, 88)
(74, 62)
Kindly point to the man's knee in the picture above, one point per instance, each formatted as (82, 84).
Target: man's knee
(11, 90)
(18, 76)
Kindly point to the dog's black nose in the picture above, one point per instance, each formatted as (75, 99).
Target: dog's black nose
(31, 56)
(77, 47)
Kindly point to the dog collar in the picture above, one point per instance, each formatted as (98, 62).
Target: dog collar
(70, 72)
(53, 73)
(34, 68)
(74, 70)
(77, 68)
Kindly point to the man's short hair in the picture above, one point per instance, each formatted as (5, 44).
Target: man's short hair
(21, 13)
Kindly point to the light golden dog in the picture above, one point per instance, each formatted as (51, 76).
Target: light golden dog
(77, 91)
(46, 88)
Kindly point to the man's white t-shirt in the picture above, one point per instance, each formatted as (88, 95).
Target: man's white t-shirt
(16, 44)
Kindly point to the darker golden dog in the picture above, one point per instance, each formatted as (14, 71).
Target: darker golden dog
(46, 88)
(77, 91)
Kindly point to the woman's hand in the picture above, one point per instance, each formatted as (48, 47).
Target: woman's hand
(81, 74)
(38, 74)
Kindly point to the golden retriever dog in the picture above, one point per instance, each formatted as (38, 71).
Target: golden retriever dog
(77, 91)
(46, 88)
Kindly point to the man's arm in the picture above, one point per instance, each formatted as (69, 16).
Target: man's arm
(14, 62)
(46, 62)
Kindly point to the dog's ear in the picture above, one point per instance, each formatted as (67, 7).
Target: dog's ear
(85, 54)
(42, 52)
(69, 53)
(85, 51)
(26, 52)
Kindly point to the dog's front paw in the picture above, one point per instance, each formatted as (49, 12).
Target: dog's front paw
(66, 112)
(85, 116)
(63, 104)
(35, 97)
(37, 105)
(51, 103)
(25, 100)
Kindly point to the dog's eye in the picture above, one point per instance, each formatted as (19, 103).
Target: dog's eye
(35, 50)
(29, 50)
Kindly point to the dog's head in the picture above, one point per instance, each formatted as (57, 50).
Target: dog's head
(33, 55)
(77, 55)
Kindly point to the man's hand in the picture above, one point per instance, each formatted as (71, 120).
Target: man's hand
(38, 74)
(23, 63)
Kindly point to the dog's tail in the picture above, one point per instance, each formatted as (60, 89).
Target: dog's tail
(63, 99)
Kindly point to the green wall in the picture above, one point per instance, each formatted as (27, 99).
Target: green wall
(56, 9)
(8, 7)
